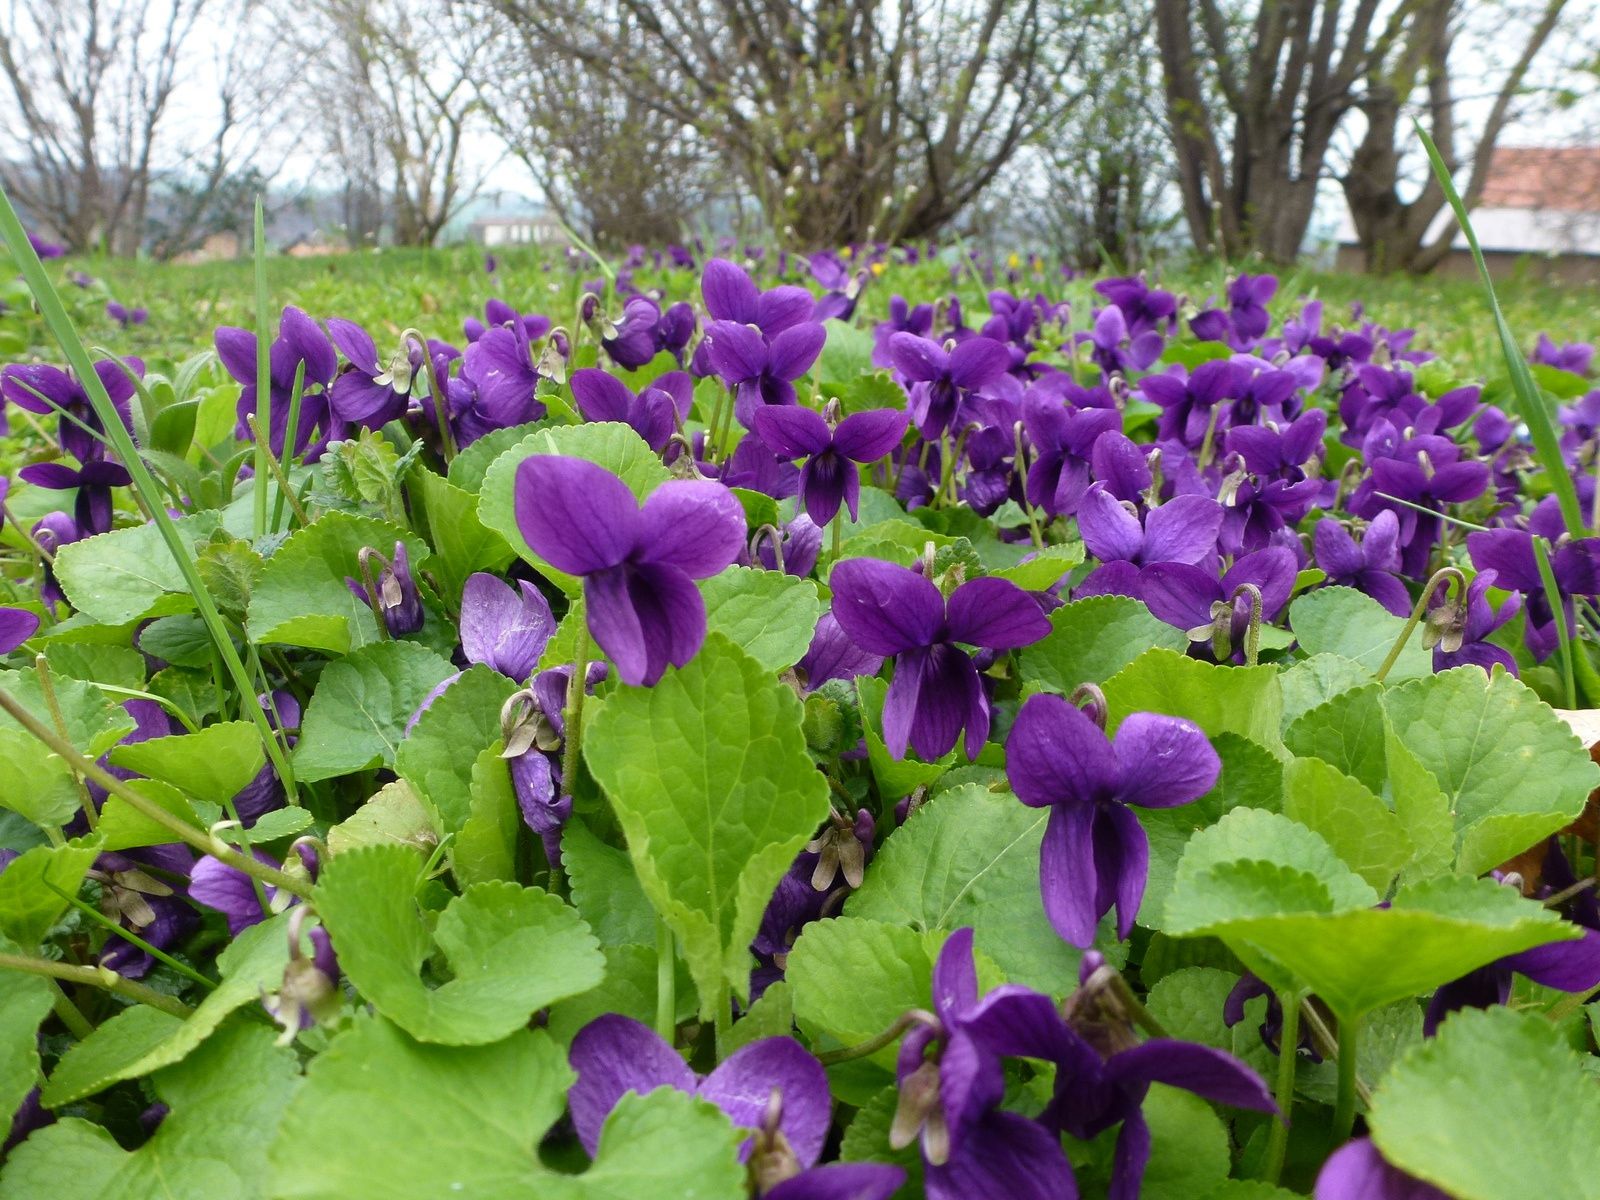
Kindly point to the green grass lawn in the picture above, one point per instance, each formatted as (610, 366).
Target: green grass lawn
(433, 290)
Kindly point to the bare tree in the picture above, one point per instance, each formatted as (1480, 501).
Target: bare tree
(396, 90)
(847, 119)
(235, 144)
(610, 165)
(1413, 74)
(89, 85)
(1097, 188)
(1255, 93)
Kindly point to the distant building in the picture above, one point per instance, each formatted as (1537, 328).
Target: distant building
(1539, 215)
(530, 229)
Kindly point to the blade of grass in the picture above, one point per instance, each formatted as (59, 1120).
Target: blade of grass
(263, 368)
(1535, 413)
(290, 441)
(1552, 595)
(77, 355)
(606, 268)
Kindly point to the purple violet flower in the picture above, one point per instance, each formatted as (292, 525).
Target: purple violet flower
(499, 315)
(1509, 554)
(830, 476)
(762, 372)
(145, 891)
(17, 625)
(1116, 347)
(368, 392)
(1183, 530)
(832, 655)
(638, 564)
(125, 316)
(45, 249)
(1575, 356)
(798, 547)
(634, 338)
(942, 378)
(392, 591)
(1195, 601)
(1144, 308)
(1103, 1074)
(93, 482)
(1356, 1171)
(44, 389)
(1063, 438)
(951, 1080)
(1095, 853)
(299, 342)
(231, 892)
(1372, 567)
(504, 629)
(731, 295)
(614, 1055)
(1460, 636)
(888, 609)
(1189, 401)
(654, 414)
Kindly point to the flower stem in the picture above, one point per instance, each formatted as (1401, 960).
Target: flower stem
(1288, 1050)
(573, 718)
(68, 1013)
(666, 982)
(285, 489)
(100, 977)
(447, 444)
(47, 688)
(1344, 1109)
(1108, 976)
(711, 428)
(185, 832)
(722, 1019)
(127, 935)
(263, 371)
(1443, 575)
(872, 1045)
(1252, 633)
(577, 688)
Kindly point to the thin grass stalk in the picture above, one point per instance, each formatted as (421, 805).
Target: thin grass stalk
(1552, 595)
(1535, 412)
(263, 368)
(291, 442)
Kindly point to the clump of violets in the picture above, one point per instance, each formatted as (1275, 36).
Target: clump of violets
(1095, 854)
(936, 691)
(638, 563)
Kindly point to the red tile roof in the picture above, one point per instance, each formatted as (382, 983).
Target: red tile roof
(1559, 179)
